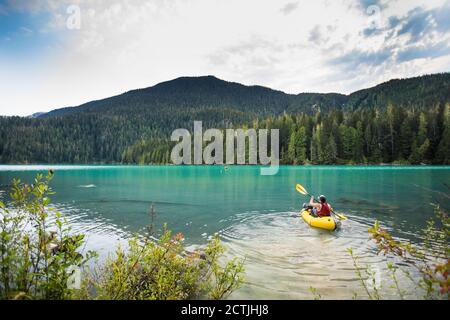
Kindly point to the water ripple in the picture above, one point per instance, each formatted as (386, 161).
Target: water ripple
(284, 257)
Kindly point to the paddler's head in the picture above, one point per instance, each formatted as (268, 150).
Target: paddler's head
(322, 199)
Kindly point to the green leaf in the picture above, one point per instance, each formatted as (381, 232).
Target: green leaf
(46, 201)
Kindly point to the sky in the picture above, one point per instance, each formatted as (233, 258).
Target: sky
(59, 53)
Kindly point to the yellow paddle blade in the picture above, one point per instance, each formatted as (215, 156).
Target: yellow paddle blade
(340, 216)
(300, 189)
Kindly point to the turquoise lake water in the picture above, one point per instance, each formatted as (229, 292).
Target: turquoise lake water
(257, 216)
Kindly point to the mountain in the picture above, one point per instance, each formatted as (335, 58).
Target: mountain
(206, 92)
(135, 127)
(209, 92)
(418, 92)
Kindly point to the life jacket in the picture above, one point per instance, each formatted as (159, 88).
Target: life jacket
(325, 210)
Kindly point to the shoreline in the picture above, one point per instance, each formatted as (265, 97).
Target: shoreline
(383, 165)
(222, 165)
(69, 167)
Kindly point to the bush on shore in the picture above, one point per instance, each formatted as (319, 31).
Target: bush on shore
(40, 258)
(430, 260)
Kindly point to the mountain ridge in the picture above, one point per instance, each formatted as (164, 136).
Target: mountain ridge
(207, 90)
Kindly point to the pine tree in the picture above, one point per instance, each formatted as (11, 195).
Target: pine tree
(322, 143)
(292, 155)
(392, 133)
(414, 158)
(405, 139)
(443, 151)
(358, 151)
(314, 147)
(419, 151)
(437, 129)
(300, 146)
(422, 133)
(330, 152)
(346, 138)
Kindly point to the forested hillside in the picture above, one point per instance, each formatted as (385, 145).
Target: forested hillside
(394, 135)
(417, 93)
(401, 120)
(206, 93)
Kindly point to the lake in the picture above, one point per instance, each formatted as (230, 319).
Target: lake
(256, 216)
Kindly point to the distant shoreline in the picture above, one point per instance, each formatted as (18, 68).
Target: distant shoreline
(217, 165)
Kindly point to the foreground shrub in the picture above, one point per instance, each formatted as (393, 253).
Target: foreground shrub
(39, 255)
(162, 270)
(430, 260)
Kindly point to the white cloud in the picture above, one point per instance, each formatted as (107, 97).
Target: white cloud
(124, 45)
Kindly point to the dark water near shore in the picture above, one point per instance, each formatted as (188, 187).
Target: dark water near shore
(257, 216)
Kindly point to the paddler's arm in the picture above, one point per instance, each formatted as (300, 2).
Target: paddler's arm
(313, 204)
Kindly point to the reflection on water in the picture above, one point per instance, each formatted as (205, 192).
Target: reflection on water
(101, 235)
(256, 216)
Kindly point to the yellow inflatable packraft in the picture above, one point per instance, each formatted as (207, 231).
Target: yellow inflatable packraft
(326, 223)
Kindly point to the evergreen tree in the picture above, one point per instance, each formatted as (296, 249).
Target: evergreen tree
(292, 155)
(300, 147)
(391, 133)
(330, 152)
(443, 151)
(422, 133)
(358, 148)
(322, 144)
(347, 139)
(405, 138)
(315, 147)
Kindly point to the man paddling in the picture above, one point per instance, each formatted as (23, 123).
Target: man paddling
(321, 209)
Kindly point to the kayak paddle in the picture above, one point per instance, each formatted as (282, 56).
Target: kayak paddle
(302, 190)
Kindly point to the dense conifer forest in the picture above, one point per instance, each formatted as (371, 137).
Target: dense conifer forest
(400, 121)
